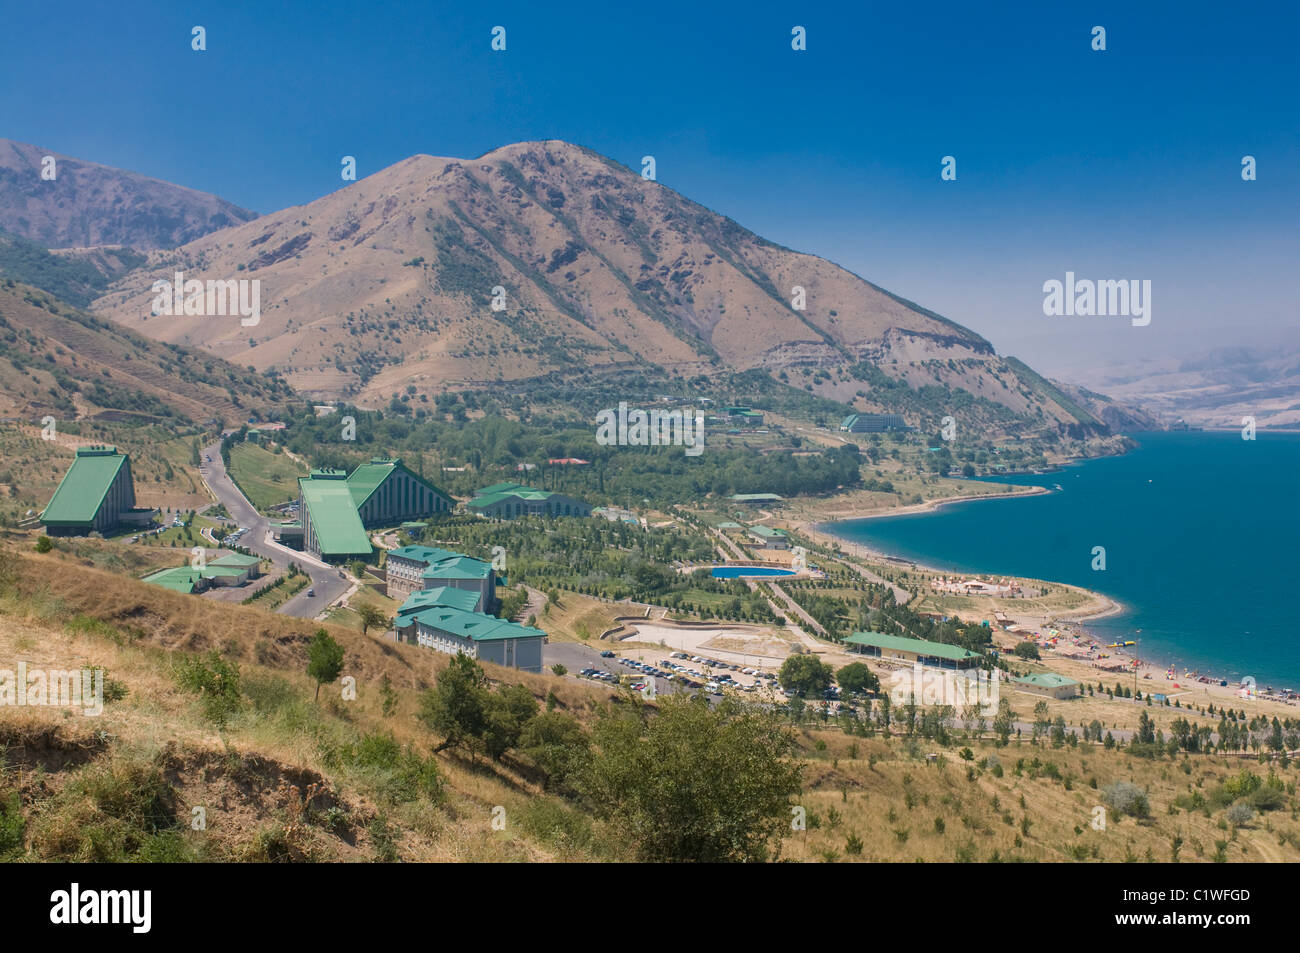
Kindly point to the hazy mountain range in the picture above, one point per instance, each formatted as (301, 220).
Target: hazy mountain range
(1215, 388)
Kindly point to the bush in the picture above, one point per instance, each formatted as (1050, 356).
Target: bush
(215, 680)
(1123, 797)
(1240, 813)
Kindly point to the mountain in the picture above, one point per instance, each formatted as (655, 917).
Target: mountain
(387, 284)
(1214, 388)
(76, 275)
(88, 205)
(55, 359)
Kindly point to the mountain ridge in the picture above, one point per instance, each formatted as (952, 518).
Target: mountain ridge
(88, 204)
(386, 285)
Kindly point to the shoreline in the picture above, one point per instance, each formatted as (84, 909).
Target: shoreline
(1071, 624)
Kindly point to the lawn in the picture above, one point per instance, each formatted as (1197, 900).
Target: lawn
(267, 478)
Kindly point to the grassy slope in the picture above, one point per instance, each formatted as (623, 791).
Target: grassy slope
(58, 360)
(274, 787)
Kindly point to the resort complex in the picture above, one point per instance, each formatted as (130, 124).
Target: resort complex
(449, 597)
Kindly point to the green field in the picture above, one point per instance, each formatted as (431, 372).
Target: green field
(267, 478)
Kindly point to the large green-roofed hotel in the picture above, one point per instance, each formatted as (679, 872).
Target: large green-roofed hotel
(337, 508)
(96, 494)
(331, 528)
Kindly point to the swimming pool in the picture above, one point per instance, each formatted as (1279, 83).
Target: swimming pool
(736, 572)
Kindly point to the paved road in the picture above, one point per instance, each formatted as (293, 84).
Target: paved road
(326, 580)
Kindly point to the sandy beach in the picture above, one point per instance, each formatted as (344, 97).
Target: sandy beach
(1084, 659)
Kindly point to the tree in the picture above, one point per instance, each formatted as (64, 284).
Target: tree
(1026, 650)
(324, 659)
(557, 744)
(456, 707)
(857, 678)
(695, 782)
(805, 674)
(44, 544)
(371, 617)
(507, 711)
(1004, 722)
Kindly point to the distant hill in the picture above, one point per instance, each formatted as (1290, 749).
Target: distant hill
(89, 205)
(55, 359)
(386, 285)
(78, 276)
(1215, 388)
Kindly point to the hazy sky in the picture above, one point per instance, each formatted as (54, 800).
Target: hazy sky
(1117, 164)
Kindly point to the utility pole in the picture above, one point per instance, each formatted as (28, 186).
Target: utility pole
(1137, 662)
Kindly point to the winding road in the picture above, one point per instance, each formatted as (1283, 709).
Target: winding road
(330, 583)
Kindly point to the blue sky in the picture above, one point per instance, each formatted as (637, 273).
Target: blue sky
(1115, 164)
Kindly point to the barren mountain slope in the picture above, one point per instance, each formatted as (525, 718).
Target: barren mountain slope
(388, 283)
(87, 204)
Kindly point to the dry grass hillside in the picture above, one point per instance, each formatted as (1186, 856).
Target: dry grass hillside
(58, 360)
(387, 283)
(289, 778)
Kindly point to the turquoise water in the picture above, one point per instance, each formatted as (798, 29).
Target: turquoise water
(735, 572)
(1200, 532)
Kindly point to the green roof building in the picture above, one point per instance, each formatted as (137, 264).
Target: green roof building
(411, 569)
(444, 597)
(480, 636)
(900, 649)
(97, 494)
(336, 508)
(873, 423)
(184, 579)
(769, 537)
(1047, 683)
(331, 527)
(509, 500)
(386, 492)
(756, 498)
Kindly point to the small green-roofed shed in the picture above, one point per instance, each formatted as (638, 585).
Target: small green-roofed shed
(1047, 683)
(236, 559)
(179, 579)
